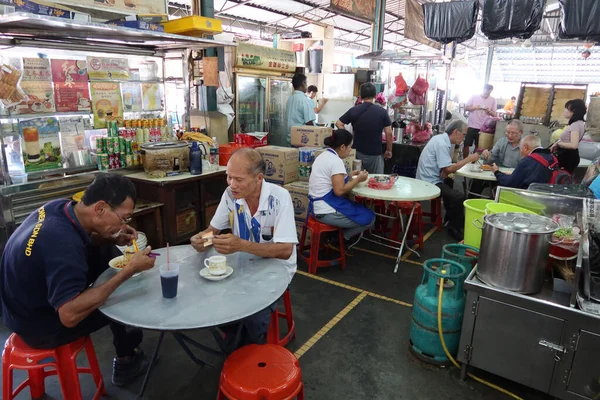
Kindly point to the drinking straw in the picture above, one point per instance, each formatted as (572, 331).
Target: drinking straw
(168, 263)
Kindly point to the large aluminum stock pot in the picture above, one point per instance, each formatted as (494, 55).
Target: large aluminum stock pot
(514, 251)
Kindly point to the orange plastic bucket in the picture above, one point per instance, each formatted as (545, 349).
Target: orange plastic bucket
(225, 152)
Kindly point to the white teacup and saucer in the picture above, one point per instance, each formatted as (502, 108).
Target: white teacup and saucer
(216, 268)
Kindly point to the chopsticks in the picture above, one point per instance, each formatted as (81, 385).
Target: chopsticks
(135, 246)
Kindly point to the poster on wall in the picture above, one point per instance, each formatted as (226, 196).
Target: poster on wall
(132, 96)
(40, 98)
(264, 58)
(107, 68)
(71, 89)
(126, 6)
(152, 95)
(72, 138)
(361, 9)
(413, 25)
(36, 70)
(41, 144)
(106, 102)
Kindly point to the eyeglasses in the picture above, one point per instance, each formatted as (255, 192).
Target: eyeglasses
(123, 221)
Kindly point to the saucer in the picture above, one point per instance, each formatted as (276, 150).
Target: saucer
(206, 274)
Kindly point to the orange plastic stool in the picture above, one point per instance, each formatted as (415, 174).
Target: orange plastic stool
(62, 360)
(416, 223)
(261, 372)
(273, 334)
(312, 259)
(435, 213)
(379, 207)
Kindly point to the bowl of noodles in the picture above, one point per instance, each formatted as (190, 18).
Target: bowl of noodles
(118, 263)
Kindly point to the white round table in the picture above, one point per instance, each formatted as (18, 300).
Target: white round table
(404, 189)
(468, 173)
(255, 284)
(584, 163)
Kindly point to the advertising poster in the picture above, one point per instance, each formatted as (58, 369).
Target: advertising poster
(41, 144)
(40, 98)
(361, 9)
(127, 6)
(71, 89)
(132, 96)
(106, 102)
(72, 137)
(36, 70)
(107, 68)
(152, 94)
(265, 58)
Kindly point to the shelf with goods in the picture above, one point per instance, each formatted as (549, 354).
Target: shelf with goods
(543, 103)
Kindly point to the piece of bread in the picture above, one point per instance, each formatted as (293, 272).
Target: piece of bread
(208, 237)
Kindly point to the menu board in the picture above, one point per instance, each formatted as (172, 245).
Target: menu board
(107, 68)
(152, 94)
(132, 96)
(106, 102)
(265, 58)
(40, 98)
(36, 70)
(41, 144)
(71, 89)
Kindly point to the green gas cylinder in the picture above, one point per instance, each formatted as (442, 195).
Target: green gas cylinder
(424, 337)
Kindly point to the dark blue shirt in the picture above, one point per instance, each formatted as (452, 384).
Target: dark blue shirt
(368, 121)
(43, 267)
(528, 171)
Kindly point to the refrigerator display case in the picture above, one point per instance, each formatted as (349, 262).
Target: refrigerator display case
(260, 106)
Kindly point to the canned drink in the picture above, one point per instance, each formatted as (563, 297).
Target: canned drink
(129, 160)
(101, 145)
(116, 145)
(128, 148)
(115, 128)
(122, 147)
(122, 160)
(110, 146)
(102, 160)
(357, 165)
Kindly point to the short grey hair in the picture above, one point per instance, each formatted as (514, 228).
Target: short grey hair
(460, 125)
(257, 164)
(517, 124)
(532, 141)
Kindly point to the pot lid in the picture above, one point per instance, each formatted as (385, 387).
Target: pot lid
(522, 223)
(163, 145)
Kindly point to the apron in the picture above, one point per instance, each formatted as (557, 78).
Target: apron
(349, 209)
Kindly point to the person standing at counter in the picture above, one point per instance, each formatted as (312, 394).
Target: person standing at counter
(567, 148)
(329, 184)
(52, 258)
(480, 107)
(312, 94)
(509, 107)
(435, 164)
(261, 218)
(368, 121)
(529, 170)
(299, 108)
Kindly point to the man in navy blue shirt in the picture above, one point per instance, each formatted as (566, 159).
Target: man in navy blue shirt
(52, 258)
(368, 122)
(528, 170)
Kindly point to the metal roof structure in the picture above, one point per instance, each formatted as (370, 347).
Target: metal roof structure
(542, 58)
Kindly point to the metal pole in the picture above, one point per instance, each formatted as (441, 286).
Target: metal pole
(378, 27)
(424, 112)
(488, 65)
(208, 10)
(448, 73)
(186, 89)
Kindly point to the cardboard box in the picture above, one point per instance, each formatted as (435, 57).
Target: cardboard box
(307, 154)
(142, 25)
(41, 7)
(299, 193)
(250, 140)
(281, 164)
(347, 161)
(312, 136)
(486, 141)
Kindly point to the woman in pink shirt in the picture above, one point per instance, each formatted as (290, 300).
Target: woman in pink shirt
(567, 147)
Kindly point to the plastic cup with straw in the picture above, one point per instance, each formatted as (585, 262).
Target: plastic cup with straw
(169, 277)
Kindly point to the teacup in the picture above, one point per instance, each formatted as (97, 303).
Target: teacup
(217, 265)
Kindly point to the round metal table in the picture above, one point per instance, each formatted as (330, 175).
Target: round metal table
(255, 284)
(468, 173)
(404, 189)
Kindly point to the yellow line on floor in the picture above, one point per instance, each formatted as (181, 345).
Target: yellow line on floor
(380, 297)
(427, 236)
(323, 331)
(342, 285)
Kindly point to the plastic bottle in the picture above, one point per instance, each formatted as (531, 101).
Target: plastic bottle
(195, 159)
(214, 155)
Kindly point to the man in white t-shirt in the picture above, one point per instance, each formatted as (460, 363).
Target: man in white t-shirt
(261, 218)
(480, 107)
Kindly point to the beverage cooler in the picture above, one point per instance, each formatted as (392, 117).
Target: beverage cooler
(263, 85)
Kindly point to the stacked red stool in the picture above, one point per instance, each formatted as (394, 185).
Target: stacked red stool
(310, 253)
(274, 334)
(61, 361)
(261, 372)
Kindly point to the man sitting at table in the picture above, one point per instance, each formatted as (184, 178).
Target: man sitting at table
(435, 164)
(261, 218)
(529, 170)
(50, 261)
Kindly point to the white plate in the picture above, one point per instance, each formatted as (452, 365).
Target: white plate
(114, 262)
(205, 273)
(142, 242)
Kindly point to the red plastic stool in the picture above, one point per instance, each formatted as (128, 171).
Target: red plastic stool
(62, 360)
(261, 372)
(273, 334)
(379, 207)
(312, 259)
(435, 213)
(416, 224)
